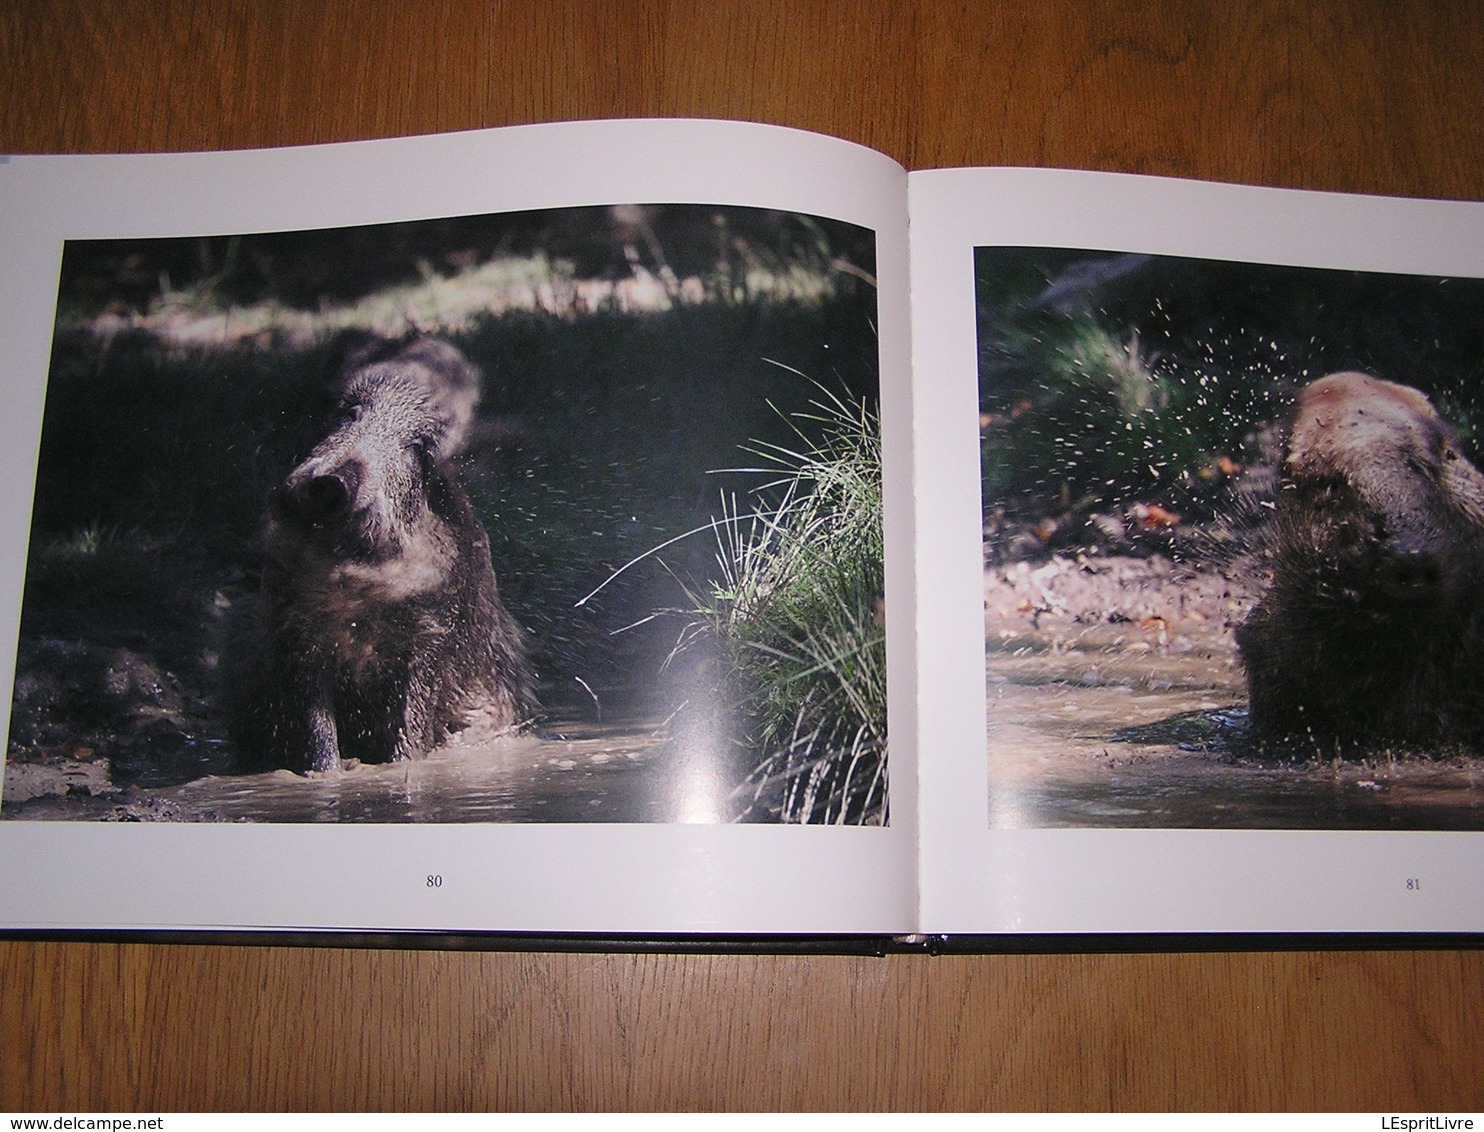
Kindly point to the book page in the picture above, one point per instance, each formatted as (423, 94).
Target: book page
(1201, 553)
(466, 533)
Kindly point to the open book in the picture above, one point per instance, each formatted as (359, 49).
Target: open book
(705, 530)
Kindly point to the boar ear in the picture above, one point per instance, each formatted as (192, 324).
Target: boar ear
(440, 437)
(425, 452)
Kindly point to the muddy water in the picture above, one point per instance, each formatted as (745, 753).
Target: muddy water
(564, 772)
(1116, 698)
(1126, 735)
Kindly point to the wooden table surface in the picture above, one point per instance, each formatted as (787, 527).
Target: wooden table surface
(1367, 96)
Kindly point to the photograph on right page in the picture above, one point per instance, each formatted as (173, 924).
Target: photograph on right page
(1233, 534)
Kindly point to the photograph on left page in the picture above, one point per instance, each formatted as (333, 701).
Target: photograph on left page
(569, 515)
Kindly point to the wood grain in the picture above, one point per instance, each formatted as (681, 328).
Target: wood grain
(108, 1026)
(1365, 96)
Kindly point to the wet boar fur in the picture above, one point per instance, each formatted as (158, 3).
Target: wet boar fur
(1373, 628)
(379, 630)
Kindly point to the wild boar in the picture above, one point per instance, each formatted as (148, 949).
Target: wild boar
(1372, 630)
(379, 630)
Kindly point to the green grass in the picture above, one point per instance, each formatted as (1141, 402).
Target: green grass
(797, 621)
(1085, 416)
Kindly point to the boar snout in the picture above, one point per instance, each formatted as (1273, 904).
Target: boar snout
(321, 500)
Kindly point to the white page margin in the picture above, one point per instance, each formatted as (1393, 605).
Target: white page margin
(979, 880)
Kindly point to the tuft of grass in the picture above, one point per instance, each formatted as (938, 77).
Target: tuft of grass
(797, 620)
